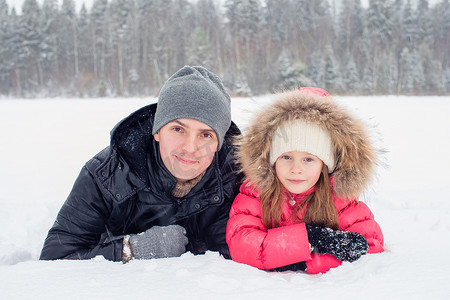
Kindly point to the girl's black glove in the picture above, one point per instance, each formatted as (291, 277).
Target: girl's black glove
(344, 245)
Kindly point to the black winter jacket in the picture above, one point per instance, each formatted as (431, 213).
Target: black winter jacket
(126, 189)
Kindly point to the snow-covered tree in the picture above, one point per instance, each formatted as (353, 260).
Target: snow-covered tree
(208, 18)
(350, 27)
(396, 46)
(351, 78)
(406, 80)
(100, 50)
(423, 21)
(367, 85)
(316, 68)
(50, 43)
(333, 82)
(409, 26)
(120, 12)
(30, 31)
(292, 73)
(435, 78)
(379, 23)
(200, 51)
(6, 64)
(278, 18)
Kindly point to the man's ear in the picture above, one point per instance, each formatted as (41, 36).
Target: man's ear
(156, 136)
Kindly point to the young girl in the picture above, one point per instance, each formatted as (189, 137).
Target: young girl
(306, 161)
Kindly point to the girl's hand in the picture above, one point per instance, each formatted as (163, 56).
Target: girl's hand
(344, 245)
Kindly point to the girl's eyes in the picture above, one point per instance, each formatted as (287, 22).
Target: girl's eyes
(177, 129)
(306, 159)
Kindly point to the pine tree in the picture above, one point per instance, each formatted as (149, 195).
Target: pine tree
(447, 80)
(98, 21)
(132, 46)
(441, 29)
(30, 31)
(351, 78)
(392, 77)
(65, 41)
(409, 26)
(351, 27)
(435, 78)
(406, 80)
(200, 51)
(279, 19)
(119, 12)
(85, 52)
(49, 45)
(209, 20)
(244, 18)
(367, 85)
(5, 55)
(316, 68)
(292, 73)
(423, 21)
(16, 53)
(379, 23)
(333, 81)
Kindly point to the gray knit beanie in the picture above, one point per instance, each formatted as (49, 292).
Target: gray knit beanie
(194, 93)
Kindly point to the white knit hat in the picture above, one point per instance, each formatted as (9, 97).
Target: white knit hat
(299, 135)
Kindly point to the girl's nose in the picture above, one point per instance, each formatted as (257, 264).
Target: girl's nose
(296, 168)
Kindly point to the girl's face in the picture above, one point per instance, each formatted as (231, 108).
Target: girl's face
(298, 171)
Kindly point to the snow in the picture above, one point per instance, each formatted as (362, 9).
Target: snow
(45, 142)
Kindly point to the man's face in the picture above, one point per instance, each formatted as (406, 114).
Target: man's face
(187, 147)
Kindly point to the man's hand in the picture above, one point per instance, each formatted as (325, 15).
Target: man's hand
(159, 242)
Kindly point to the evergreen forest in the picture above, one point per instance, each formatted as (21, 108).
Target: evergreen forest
(130, 47)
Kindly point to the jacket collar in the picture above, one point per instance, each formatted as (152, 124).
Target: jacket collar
(132, 140)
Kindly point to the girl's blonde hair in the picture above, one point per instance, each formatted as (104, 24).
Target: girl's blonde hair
(319, 206)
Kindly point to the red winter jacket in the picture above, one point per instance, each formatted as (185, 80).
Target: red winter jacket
(251, 243)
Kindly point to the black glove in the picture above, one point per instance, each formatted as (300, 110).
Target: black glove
(300, 266)
(344, 245)
(159, 242)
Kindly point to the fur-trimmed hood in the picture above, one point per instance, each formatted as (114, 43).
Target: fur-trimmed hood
(354, 154)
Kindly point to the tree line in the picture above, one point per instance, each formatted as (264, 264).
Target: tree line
(130, 47)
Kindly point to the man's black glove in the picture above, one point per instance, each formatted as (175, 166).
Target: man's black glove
(344, 245)
(159, 242)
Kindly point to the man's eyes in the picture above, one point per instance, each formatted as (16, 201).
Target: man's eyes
(177, 129)
(207, 135)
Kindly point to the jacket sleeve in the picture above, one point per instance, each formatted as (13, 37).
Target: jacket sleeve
(355, 217)
(80, 230)
(251, 243)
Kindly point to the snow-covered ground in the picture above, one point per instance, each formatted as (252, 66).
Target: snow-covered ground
(45, 142)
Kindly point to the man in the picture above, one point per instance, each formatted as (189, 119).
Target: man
(165, 184)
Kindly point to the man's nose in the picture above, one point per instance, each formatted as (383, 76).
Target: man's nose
(190, 144)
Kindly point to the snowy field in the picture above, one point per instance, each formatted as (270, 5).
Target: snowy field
(45, 142)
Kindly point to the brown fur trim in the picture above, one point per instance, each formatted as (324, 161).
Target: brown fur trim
(354, 153)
